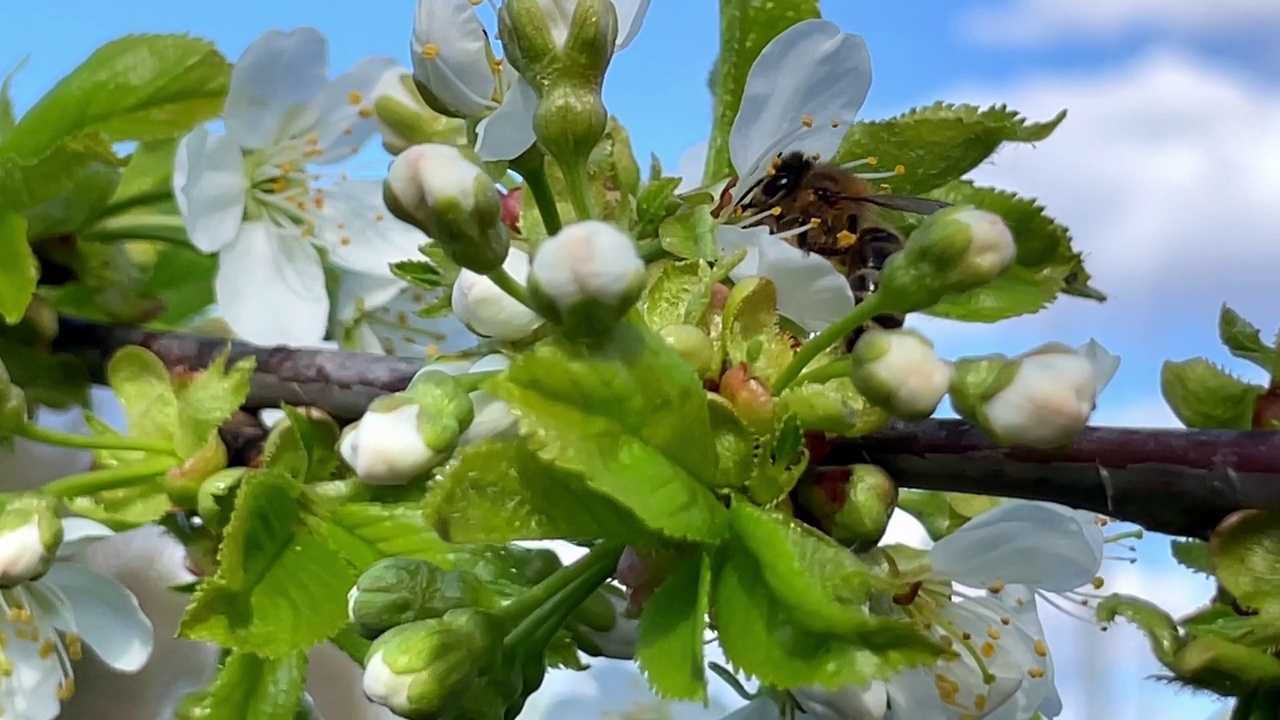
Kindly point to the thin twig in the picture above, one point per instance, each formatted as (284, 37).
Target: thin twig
(1178, 482)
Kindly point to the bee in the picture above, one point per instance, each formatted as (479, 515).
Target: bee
(829, 210)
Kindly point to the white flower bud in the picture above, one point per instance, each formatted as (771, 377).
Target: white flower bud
(953, 251)
(385, 687)
(899, 371)
(851, 702)
(492, 416)
(386, 448)
(486, 310)
(30, 535)
(991, 248)
(587, 276)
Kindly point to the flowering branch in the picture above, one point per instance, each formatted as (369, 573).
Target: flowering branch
(1180, 482)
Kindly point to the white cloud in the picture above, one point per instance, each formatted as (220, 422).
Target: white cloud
(1020, 22)
(1167, 171)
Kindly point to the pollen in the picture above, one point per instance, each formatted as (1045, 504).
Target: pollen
(354, 97)
(993, 633)
(47, 649)
(988, 650)
(815, 222)
(996, 587)
(845, 239)
(885, 187)
(806, 120)
(433, 350)
(775, 211)
(476, 3)
(430, 51)
(402, 318)
(980, 702)
(75, 649)
(948, 689)
(418, 297)
(1097, 583)
(345, 241)
(67, 689)
(900, 170)
(1019, 601)
(1035, 673)
(835, 123)
(496, 64)
(873, 161)
(1006, 620)
(966, 636)
(1041, 648)
(365, 112)
(379, 217)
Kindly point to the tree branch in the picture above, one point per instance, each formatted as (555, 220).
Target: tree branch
(1179, 482)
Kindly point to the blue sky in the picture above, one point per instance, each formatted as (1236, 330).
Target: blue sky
(1165, 168)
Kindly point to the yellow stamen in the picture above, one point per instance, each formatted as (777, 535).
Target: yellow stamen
(845, 239)
(1035, 673)
(345, 241)
(900, 170)
(996, 586)
(1097, 583)
(806, 120)
(367, 112)
(993, 633)
(988, 650)
(1006, 621)
(430, 51)
(354, 97)
(1041, 648)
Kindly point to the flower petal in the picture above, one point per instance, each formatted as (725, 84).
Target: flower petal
(761, 708)
(380, 315)
(31, 692)
(209, 187)
(360, 233)
(344, 110)
(630, 17)
(270, 287)
(1104, 363)
(811, 291)
(1027, 543)
(78, 534)
(275, 79)
(107, 616)
(729, 239)
(810, 69)
(458, 72)
(509, 130)
(1042, 695)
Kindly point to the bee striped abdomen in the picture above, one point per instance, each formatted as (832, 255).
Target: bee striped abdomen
(873, 248)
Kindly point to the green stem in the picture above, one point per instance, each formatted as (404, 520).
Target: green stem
(575, 181)
(862, 312)
(95, 481)
(510, 286)
(47, 436)
(831, 371)
(352, 644)
(161, 228)
(535, 179)
(146, 197)
(553, 600)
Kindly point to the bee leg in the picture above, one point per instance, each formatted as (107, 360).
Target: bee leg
(874, 247)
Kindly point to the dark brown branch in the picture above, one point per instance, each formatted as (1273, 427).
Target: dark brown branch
(1172, 481)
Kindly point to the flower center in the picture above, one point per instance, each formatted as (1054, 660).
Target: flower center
(35, 638)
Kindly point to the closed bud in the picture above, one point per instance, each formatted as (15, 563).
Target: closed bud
(602, 630)
(1041, 399)
(492, 416)
(489, 311)
(183, 482)
(750, 398)
(13, 403)
(953, 251)
(216, 497)
(30, 535)
(852, 505)
(405, 120)
(397, 590)
(405, 435)
(420, 669)
(696, 347)
(586, 277)
(899, 371)
(439, 190)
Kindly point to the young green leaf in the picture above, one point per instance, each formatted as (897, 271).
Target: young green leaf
(367, 532)
(302, 447)
(656, 202)
(670, 642)
(209, 398)
(182, 281)
(1205, 397)
(251, 687)
(631, 418)
(81, 203)
(124, 508)
(56, 380)
(150, 169)
(939, 143)
(26, 182)
(145, 388)
(1193, 555)
(749, 329)
(679, 292)
(1245, 552)
(1017, 291)
(746, 26)
(1243, 339)
(279, 589)
(834, 407)
(7, 116)
(689, 233)
(19, 270)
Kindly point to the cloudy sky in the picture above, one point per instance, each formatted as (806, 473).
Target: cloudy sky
(1166, 170)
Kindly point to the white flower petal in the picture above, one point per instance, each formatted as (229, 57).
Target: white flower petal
(761, 708)
(508, 132)
(811, 291)
(31, 692)
(209, 187)
(380, 315)
(1041, 696)
(78, 534)
(1104, 363)
(809, 69)
(690, 165)
(274, 80)
(1026, 543)
(729, 239)
(344, 110)
(360, 233)
(459, 74)
(359, 293)
(630, 17)
(270, 417)
(107, 616)
(270, 287)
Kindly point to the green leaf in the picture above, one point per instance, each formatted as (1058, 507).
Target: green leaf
(303, 448)
(145, 388)
(182, 281)
(690, 233)
(834, 407)
(656, 202)
(939, 143)
(422, 274)
(77, 206)
(735, 444)
(1155, 623)
(1017, 291)
(150, 169)
(669, 643)
(210, 398)
(679, 292)
(1204, 396)
(124, 508)
(631, 418)
(19, 270)
(279, 589)
(760, 634)
(749, 329)
(1193, 555)
(140, 87)
(1245, 549)
(746, 27)
(251, 687)
(367, 532)
(1225, 667)
(56, 380)
(7, 116)
(1243, 339)
(26, 182)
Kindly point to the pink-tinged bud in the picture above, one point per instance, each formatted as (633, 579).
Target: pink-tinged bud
(641, 575)
(749, 396)
(1266, 411)
(719, 296)
(511, 205)
(851, 504)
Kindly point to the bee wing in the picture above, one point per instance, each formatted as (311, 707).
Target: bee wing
(906, 203)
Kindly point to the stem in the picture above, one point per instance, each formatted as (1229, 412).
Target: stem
(47, 436)
(552, 601)
(352, 644)
(510, 286)
(831, 371)
(535, 179)
(161, 228)
(146, 197)
(575, 180)
(861, 313)
(95, 481)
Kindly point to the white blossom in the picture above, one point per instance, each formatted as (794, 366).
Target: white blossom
(899, 370)
(386, 446)
(589, 260)
(493, 416)
(488, 310)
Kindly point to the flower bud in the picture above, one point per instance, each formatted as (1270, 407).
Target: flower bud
(696, 347)
(30, 534)
(13, 403)
(1040, 399)
(407, 434)
(216, 497)
(397, 590)
(493, 416)
(405, 120)
(899, 371)
(601, 628)
(489, 311)
(953, 251)
(586, 277)
(420, 669)
(182, 483)
(440, 191)
(852, 505)
(750, 398)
